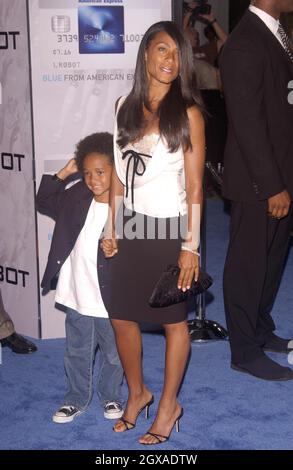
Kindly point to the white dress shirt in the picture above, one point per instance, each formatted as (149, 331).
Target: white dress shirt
(269, 21)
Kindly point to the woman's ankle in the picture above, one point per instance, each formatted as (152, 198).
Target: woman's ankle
(136, 395)
(168, 406)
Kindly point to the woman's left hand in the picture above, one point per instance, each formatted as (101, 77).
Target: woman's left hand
(189, 269)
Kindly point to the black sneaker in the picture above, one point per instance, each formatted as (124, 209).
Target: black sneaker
(66, 414)
(113, 410)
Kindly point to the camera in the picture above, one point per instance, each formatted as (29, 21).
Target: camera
(203, 8)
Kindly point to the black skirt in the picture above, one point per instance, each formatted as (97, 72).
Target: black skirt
(146, 246)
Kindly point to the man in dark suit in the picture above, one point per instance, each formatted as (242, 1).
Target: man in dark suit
(256, 68)
(8, 336)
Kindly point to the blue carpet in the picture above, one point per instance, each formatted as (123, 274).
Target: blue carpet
(223, 409)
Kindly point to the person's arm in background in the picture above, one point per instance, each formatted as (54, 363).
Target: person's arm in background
(222, 35)
(52, 191)
(187, 15)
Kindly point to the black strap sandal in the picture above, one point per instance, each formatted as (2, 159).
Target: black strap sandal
(159, 437)
(127, 425)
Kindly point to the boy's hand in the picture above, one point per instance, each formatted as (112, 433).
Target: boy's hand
(109, 247)
(69, 169)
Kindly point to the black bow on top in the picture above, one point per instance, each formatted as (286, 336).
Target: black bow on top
(137, 159)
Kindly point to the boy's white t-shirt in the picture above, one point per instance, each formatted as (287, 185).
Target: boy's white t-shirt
(78, 286)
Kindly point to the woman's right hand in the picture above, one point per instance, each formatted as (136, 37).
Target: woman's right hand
(189, 269)
(109, 247)
(69, 169)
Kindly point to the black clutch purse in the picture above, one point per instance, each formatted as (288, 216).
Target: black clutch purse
(167, 293)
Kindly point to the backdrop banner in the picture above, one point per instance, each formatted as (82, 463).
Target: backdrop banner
(18, 258)
(83, 59)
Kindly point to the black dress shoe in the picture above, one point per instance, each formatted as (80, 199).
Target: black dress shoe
(264, 368)
(279, 345)
(19, 344)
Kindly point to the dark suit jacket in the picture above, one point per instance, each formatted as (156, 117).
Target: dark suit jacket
(256, 71)
(69, 209)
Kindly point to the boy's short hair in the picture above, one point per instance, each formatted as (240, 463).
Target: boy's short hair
(100, 142)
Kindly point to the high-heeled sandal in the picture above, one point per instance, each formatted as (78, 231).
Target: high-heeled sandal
(160, 438)
(127, 424)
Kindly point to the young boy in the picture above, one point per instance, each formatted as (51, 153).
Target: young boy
(75, 256)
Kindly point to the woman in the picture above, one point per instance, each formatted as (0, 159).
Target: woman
(159, 151)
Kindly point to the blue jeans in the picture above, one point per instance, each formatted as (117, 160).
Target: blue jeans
(83, 335)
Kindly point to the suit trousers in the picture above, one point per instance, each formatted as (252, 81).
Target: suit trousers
(6, 324)
(253, 269)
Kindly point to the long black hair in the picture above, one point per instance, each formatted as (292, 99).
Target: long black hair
(172, 111)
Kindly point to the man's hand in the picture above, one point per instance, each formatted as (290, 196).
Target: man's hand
(279, 205)
(69, 169)
(189, 269)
